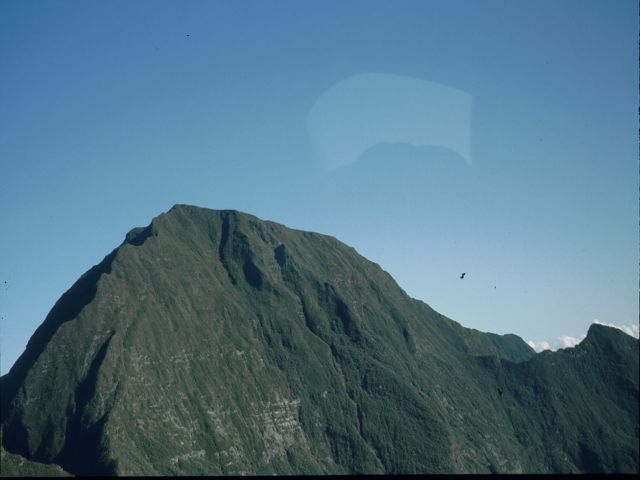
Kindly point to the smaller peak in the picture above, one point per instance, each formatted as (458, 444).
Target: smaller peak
(599, 329)
(603, 334)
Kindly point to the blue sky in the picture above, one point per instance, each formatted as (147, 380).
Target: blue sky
(111, 112)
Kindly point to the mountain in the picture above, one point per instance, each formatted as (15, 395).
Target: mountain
(211, 342)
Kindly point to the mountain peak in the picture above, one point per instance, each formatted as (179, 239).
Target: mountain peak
(610, 340)
(605, 331)
(194, 210)
(260, 349)
(607, 334)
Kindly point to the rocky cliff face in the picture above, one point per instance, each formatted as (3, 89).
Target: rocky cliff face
(211, 342)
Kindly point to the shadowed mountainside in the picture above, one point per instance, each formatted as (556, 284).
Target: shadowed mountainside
(211, 342)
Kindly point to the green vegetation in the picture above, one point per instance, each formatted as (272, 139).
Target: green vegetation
(211, 342)
(16, 466)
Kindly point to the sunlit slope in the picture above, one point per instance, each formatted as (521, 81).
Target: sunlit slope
(17, 466)
(211, 342)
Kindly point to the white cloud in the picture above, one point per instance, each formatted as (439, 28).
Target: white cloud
(539, 346)
(566, 341)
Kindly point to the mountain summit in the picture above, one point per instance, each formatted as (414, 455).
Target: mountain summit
(211, 342)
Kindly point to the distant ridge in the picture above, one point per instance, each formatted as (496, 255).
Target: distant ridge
(212, 342)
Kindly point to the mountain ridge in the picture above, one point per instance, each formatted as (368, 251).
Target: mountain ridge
(149, 344)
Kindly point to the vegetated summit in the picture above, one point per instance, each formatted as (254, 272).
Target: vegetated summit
(211, 342)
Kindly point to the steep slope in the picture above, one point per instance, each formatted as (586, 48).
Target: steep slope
(211, 342)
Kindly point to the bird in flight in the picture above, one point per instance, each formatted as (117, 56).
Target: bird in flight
(462, 276)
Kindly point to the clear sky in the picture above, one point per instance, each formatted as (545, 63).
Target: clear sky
(111, 112)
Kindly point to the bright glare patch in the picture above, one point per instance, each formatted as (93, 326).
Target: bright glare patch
(363, 110)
